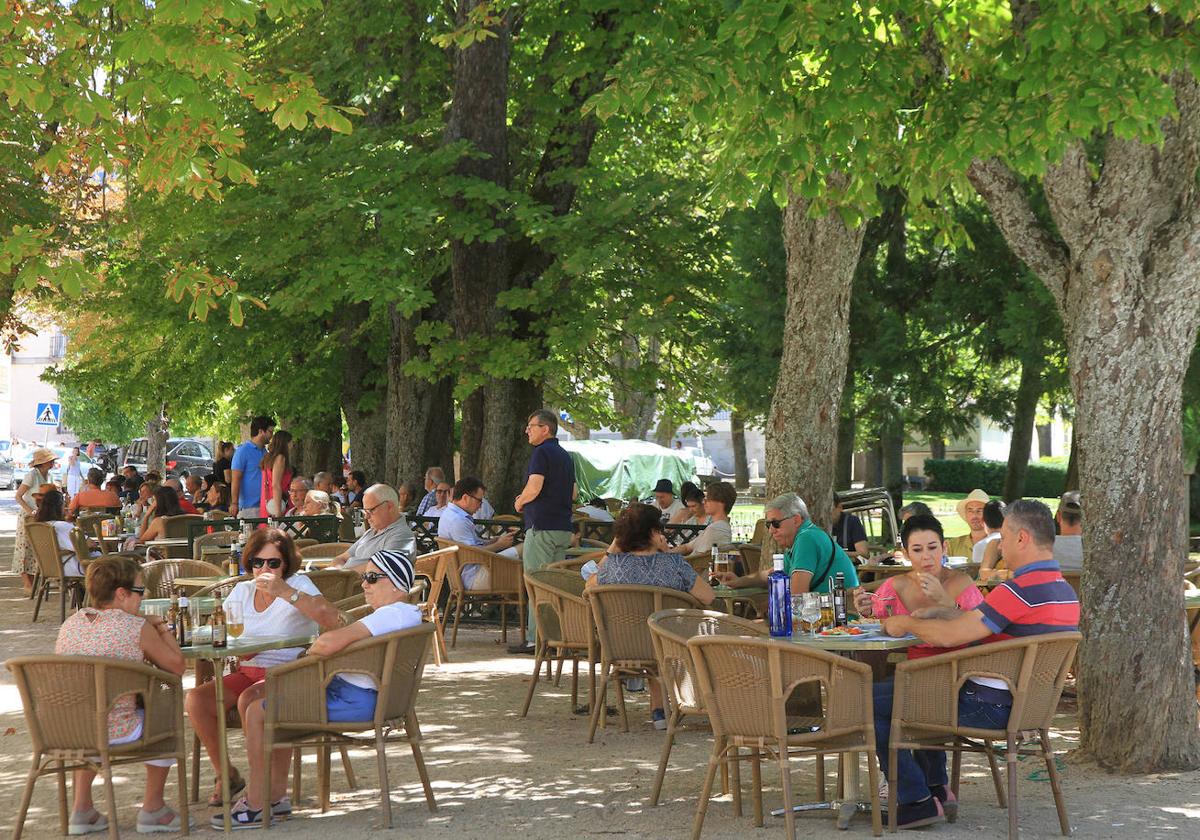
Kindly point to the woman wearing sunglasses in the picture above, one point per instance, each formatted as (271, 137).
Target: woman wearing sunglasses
(386, 580)
(276, 601)
(112, 627)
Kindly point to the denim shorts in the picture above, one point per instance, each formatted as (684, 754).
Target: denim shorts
(347, 702)
(978, 713)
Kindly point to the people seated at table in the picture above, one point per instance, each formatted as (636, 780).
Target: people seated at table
(193, 488)
(640, 555)
(811, 557)
(164, 502)
(112, 627)
(386, 529)
(433, 477)
(970, 510)
(1068, 545)
(457, 524)
(406, 495)
(719, 500)
(986, 552)
(50, 510)
(664, 499)
(848, 530)
(595, 509)
(93, 495)
(692, 512)
(913, 508)
(142, 503)
(116, 486)
(442, 493)
(929, 584)
(323, 481)
(317, 503)
(216, 498)
(297, 493)
(356, 484)
(386, 579)
(276, 601)
(184, 505)
(276, 467)
(338, 493)
(1034, 601)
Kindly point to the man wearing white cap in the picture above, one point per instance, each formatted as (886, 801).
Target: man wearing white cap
(970, 510)
(386, 579)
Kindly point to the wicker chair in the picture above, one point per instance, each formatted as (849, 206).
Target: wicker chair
(297, 712)
(752, 551)
(507, 585)
(700, 562)
(432, 567)
(746, 684)
(324, 550)
(58, 692)
(43, 540)
(175, 528)
(564, 624)
(158, 576)
(925, 710)
(626, 650)
(216, 538)
(670, 631)
(336, 584)
(88, 522)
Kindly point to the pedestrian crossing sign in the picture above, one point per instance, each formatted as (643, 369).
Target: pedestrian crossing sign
(48, 414)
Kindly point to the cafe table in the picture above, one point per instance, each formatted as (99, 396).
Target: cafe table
(160, 606)
(169, 542)
(851, 802)
(730, 596)
(238, 648)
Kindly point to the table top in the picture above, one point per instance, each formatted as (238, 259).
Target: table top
(725, 592)
(169, 542)
(245, 646)
(118, 537)
(159, 606)
(201, 581)
(854, 643)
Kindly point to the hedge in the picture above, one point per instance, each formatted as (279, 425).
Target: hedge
(962, 475)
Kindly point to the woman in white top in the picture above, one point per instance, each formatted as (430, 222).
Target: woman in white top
(718, 501)
(74, 472)
(276, 601)
(50, 511)
(40, 464)
(386, 580)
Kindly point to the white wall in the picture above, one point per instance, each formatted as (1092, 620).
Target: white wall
(36, 354)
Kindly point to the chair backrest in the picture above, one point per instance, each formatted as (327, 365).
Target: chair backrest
(176, 527)
(559, 608)
(216, 538)
(433, 567)
(506, 573)
(79, 540)
(620, 612)
(670, 631)
(336, 584)
(699, 561)
(44, 542)
(746, 684)
(324, 550)
(66, 699)
(87, 522)
(158, 576)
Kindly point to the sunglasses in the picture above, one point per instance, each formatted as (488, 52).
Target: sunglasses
(775, 523)
(138, 590)
(269, 562)
(372, 577)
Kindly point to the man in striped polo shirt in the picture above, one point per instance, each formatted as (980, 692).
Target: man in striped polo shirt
(1034, 601)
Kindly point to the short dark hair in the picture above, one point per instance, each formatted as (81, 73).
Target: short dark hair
(993, 514)
(1034, 517)
(723, 492)
(546, 417)
(635, 527)
(279, 539)
(689, 492)
(261, 424)
(916, 509)
(96, 477)
(466, 486)
(360, 477)
(921, 522)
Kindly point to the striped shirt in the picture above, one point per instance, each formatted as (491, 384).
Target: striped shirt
(1035, 600)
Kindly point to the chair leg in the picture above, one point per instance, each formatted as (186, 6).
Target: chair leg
(1011, 760)
(110, 797)
(785, 777)
(413, 729)
(598, 702)
(735, 778)
(63, 819)
(672, 723)
(37, 582)
(702, 806)
(537, 673)
(41, 596)
(27, 797)
(574, 682)
(873, 781)
(458, 608)
(562, 655)
(991, 757)
(323, 775)
(265, 782)
(296, 780)
(181, 773)
(756, 785)
(195, 794)
(621, 704)
(503, 624)
(385, 790)
(1064, 821)
(893, 787)
(956, 768)
(62, 600)
(820, 777)
(348, 768)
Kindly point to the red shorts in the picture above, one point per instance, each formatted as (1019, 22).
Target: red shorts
(242, 678)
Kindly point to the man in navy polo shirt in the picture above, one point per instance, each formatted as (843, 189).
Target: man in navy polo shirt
(546, 503)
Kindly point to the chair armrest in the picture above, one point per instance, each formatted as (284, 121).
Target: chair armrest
(296, 691)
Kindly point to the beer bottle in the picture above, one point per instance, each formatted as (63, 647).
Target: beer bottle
(220, 634)
(839, 600)
(173, 615)
(185, 623)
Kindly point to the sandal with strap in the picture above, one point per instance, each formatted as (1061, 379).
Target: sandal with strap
(236, 785)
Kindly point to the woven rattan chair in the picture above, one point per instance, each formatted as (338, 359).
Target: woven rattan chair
(175, 528)
(746, 684)
(66, 701)
(432, 567)
(336, 584)
(626, 650)
(670, 631)
(43, 540)
(324, 550)
(158, 576)
(752, 551)
(506, 589)
(925, 710)
(700, 562)
(87, 522)
(223, 539)
(564, 625)
(297, 711)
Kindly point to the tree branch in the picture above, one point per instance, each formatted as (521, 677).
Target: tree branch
(1029, 239)
(1069, 192)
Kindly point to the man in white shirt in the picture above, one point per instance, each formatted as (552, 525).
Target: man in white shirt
(387, 529)
(458, 525)
(664, 498)
(1068, 545)
(442, 495)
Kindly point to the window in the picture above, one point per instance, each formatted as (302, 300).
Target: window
(58, 346)
(187, 449)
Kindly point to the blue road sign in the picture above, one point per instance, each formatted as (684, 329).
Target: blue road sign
(48, 414)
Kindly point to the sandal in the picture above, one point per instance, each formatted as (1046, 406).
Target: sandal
(236, 785)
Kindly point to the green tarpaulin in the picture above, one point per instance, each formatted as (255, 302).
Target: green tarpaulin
(626, 469)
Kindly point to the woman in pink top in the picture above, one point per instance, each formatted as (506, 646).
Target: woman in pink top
(929, 584)
(113, 628)
(276, 475)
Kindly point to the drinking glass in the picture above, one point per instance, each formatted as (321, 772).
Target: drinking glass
(810, 611)
(796, 613)
(234, 619)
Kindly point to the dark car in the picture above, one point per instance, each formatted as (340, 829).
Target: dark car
(182, 454)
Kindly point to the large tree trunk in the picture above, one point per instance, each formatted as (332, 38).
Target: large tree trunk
(1044, 432)
(320, 448)
(364, 402)
(846, 435)
(158, 429)
(1029, 391)
(737, 439)
(937, 448)
(802, 428)
(634, 388)
(420, 414)
(1125, 277)
(891, 441)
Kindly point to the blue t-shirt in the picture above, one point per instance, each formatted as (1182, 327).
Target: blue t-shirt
(248, 458)
(551, 510)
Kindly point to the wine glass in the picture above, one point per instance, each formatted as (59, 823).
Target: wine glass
(810, 611)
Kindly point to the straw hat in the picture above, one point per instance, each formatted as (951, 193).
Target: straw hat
(975, 495)
(42, 456)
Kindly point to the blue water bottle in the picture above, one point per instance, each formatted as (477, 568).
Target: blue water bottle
(779, 600)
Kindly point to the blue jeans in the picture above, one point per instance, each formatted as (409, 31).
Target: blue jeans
(919, 770)
(347, 702)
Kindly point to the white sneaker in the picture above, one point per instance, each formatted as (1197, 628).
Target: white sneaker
(86, 822)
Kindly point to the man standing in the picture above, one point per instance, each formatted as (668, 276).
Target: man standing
(386, 529)
(1068, 545)
(246, 490)
(546, 503)
(433, 477)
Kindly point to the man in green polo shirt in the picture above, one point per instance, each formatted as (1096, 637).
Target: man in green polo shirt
(812, 557)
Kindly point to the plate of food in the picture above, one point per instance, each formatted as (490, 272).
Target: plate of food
(867, 625)
(849, 630)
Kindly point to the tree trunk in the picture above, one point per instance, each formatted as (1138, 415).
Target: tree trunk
(847, 430)
(158, 429)
(665, 431)
(892, 444)
(1029, 391)
(1072, 479)
(737, 438)
(937, 448)
(1125, 278)
(634, 389)
(1045, 445)
(364, 402)
(506, 450)
(801, 430)
(319, 449)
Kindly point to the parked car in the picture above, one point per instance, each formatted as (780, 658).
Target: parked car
(182, 454)
(9, 477)
(19, 463)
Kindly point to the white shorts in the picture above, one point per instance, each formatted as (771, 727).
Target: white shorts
(133, 736)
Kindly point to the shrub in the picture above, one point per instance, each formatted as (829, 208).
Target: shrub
(962, 475)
